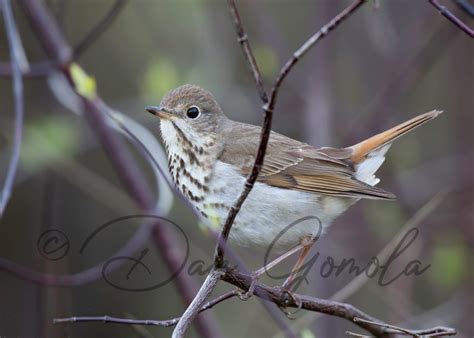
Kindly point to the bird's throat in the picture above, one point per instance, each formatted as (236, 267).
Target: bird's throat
(190, 164)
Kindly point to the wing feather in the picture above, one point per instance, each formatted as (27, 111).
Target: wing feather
(291, 164)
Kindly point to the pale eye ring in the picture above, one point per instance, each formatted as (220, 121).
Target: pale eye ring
(193, 112)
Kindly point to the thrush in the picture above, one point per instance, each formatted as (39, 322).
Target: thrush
(210, 157)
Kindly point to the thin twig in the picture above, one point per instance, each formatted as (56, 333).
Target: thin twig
(438, 330)
(18, 63)
(453, 18)
(311, 42)
(353, 334)
(243, 39)
(128, 321)
(37, 69)
(99, 28)
(466, 6)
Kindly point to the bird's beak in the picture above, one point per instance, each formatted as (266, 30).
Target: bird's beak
(160, 112)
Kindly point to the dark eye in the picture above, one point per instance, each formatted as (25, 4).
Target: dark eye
(193, 112)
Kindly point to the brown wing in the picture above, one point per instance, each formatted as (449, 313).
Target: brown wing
(295, 165)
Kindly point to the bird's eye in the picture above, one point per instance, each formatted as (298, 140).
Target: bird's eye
(193, 112)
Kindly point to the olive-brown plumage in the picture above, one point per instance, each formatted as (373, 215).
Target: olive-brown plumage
(210, 156)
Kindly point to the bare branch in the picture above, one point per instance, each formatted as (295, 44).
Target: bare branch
(438, 330)
(353, 334)
(195, 306)
(18, 64)
(466, 6)
(128, 321)
(37, 69)
(279, 297)
(99, 28)
(116, 320)
(311, 42)
(243, 39)
(333, 308)
(453, 18)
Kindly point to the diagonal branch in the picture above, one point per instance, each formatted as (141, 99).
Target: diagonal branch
(453, 18)
(99, 28)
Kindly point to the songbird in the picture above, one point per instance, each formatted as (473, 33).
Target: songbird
(210, 157)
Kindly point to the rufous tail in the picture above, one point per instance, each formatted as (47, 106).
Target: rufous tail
(362, 149)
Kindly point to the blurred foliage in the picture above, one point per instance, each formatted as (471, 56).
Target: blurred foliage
(160, 76)
(46, 141)
(450, 262)
(384, 220)
(307, 334)
(267, 60)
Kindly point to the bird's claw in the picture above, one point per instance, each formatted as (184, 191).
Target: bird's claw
(288, 298)
(245, 295)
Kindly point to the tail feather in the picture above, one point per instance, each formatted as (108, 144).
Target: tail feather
(364, 148)
(369, 155)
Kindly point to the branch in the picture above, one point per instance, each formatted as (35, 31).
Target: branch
(393, 329)
(311, 42)
(18, 63)
(99, 28)
(128, 321)
(243, 39)
(466, 6)
(195, 306)
(333, 308)
(453, 18)
(37, 69)
(279, 297)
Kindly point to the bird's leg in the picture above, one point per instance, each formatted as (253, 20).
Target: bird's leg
(279, 259)
(256, 274)
(288, 294)
(306, 244)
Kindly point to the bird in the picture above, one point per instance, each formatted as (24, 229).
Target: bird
(210, 157)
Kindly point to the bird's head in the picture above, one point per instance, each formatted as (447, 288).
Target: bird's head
(189, 112)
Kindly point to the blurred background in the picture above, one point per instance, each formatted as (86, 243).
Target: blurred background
(380, 67)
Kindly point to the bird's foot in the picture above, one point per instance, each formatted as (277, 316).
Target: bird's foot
(245, 295)
(289, 298)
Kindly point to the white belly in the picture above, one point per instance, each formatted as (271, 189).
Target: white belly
(268, 213)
